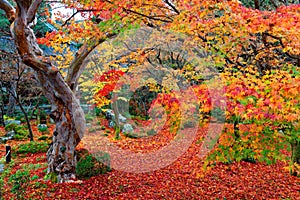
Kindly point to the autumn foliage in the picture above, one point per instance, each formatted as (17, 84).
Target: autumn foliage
(255, 54)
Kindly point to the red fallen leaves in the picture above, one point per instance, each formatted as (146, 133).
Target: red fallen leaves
(180, 180)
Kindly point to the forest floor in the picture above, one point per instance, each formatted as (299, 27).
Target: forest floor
(181, 179)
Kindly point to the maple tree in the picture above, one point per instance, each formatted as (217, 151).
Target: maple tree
(259, 48)
(252, 46)
(60, 88)
(239, 39)
(263, 111)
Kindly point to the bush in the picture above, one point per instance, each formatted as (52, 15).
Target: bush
(20, 137)
(151, 132)
(21, 132)
(97, 111)
(10, 127)
(19, 117)
(43, 128)
(91, 165)
(6, 173)
(32, 147)
(43, 137)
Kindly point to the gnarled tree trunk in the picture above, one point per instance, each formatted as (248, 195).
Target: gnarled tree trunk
(70, 126)
(66, 110)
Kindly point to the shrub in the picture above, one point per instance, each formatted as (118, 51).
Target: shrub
(32, 147)
(2, 133)
(20, 137)
(97, 111)
(10, 127)
(21, 132)
(52, 176)
(151, 132)
(43, 137)
(43, 128)
(19, 117)
(91, 165)
(5, 173)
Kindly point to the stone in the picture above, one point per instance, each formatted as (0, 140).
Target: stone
(10, 134)
(189, 124)
(52, 121)
(111, 124)
(122, 119)
(88, 125)
(1, 168)
(128, 131)
(110, 115)
(3, 140)
(127, 128)
(11, 121)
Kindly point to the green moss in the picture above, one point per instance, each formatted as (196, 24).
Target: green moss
(91, 165)
(43, 137)
(32, 147)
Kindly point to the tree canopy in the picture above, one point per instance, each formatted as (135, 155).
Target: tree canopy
(254, 51)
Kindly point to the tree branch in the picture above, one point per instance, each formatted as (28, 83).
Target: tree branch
(26, 42)
(32, 10)
(76, 67)
(147, 16)
(9, 10)
(282, 45)
(172, 6)
(78, 11)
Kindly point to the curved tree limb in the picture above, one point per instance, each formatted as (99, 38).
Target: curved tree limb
(8, 9)
(76, 66)
(32, 10)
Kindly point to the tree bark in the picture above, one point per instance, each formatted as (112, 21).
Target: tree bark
(66, 110)
(295, 155)
(61, 154)
(70, 126)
